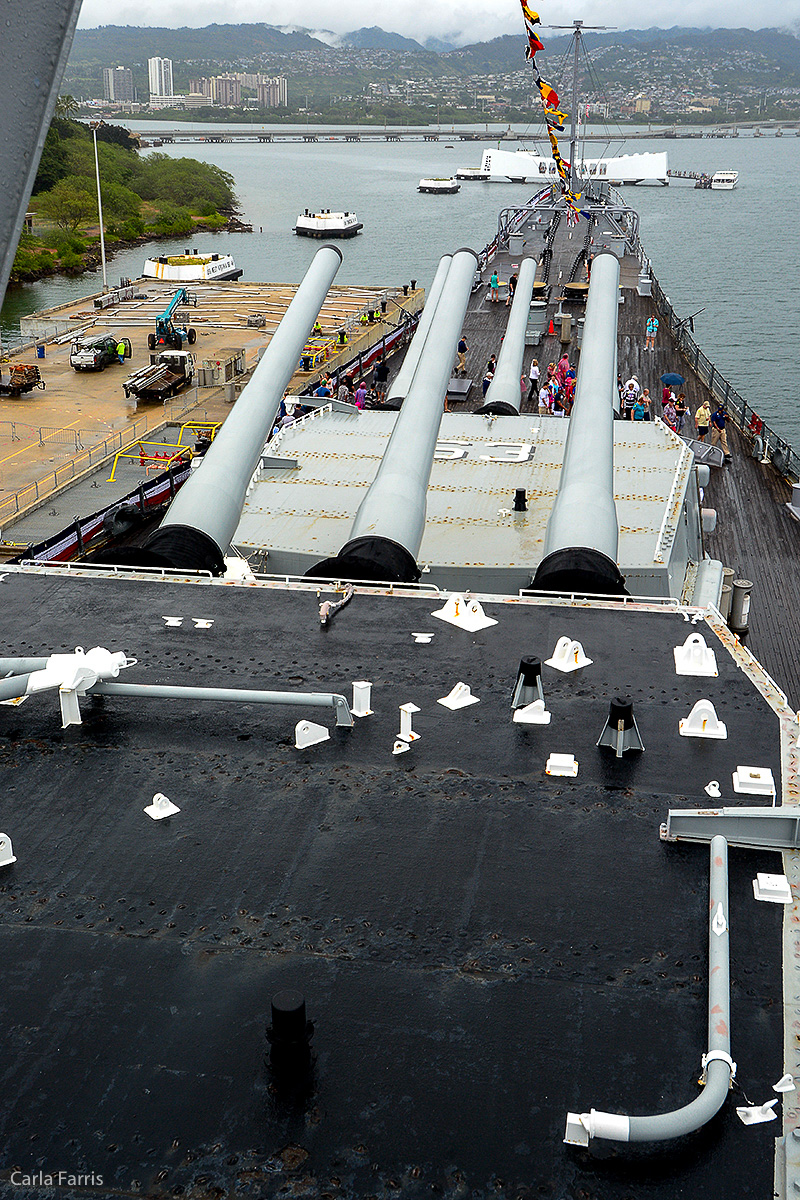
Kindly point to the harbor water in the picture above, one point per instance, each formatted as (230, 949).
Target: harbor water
(731, 254)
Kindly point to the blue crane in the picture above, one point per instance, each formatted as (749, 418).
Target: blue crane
(168, 334)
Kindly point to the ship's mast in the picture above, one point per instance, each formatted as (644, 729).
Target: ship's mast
(573, 136)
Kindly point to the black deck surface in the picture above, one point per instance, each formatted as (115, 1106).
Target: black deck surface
(481, 947)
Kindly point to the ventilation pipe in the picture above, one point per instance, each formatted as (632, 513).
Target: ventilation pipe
(580, 549)
(388, 527)
(504, 396)
(718, 1066)
(399, 388)
(202, 519)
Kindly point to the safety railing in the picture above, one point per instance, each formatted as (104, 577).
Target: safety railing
(87, 457)
(767, 443)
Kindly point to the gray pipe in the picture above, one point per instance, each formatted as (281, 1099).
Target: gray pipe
(388, 527)
(504, 396)
(717, 1063)
(149, 691)
(19, 666)
(202, 519)
(403, 380)
(14, 687)
(580, 550)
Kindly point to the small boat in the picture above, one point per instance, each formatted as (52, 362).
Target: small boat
(724, 181)
(471, 173)
(327, 224)
(191, 267)
(444, 186)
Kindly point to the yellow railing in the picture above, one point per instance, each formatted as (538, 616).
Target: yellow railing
(165, 460)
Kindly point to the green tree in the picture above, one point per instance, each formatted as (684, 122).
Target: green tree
(66, 107)
(70, 203)
(54, 163)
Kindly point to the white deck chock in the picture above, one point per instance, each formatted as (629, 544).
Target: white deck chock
(702, 722)
(568, 656)
(202, 623)
(362, 698)
(534, 713)
(757, 1115)
(754, 781)
(464, 614)
(785, 1084)
(400, 747)
(773, 888)
(712, 789)
(161, 807)
(172, 622)
(308, 733)
(562, 764)
(406, 733)
(423, 639)
(6, 851)
(694, 657)
(459, 697)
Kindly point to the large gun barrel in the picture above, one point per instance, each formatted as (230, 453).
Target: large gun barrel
(504, 396)
(197, 530)
(399, 388)
(388, 527)
(580, 550)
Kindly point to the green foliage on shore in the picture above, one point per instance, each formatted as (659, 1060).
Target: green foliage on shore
(143, 196)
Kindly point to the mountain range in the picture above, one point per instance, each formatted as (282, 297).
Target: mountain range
(110, 44)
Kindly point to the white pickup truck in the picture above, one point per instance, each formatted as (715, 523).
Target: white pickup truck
(171, 371)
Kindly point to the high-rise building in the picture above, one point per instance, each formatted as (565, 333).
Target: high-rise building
(160, 73)
(118, 84)
(226, 91)
(272, 93)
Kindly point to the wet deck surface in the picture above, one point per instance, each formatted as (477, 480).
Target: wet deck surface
(481, 946)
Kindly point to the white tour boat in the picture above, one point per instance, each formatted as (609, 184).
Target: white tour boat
(327, 224)
(446, 186)
(191, 267)
(724, 181)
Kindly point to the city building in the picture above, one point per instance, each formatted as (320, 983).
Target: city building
(160, 74)
(272, 93)
(226, 91)
(118, 84)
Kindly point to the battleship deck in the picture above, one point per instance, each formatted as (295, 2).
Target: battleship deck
(756, 535)
(471, 935)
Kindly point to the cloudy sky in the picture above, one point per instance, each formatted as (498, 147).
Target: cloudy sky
(460, 22)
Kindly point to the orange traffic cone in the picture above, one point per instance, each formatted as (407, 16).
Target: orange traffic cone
(551, 331)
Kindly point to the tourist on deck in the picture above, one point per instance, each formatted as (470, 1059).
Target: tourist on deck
(461, 365)
(323, 391)
(491, 365)
(557, 404)
(381, 376)
(512, 287)
(494, 284)
(563, 368)
(646, 402)
(651, 329)
(533, 375)
(680, 412)
(638, 410)
(633, 384)
(669, 414)
(718, 432)
(344, 393)
(629, 398)
(487, 379)
(545, 398)
(361, 394)
(551, 370)
(702, 420)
